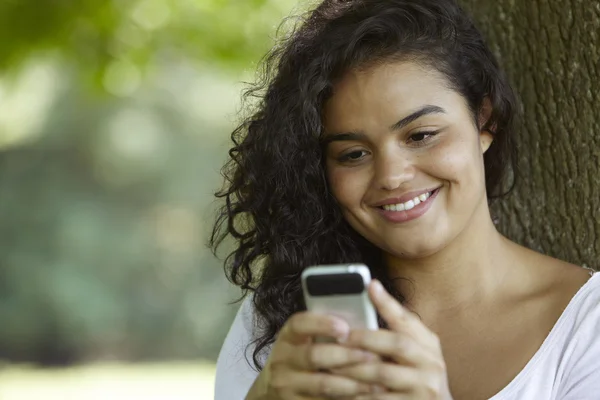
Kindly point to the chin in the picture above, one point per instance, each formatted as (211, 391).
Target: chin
(422, 243)
(416, 246)
(413, 252)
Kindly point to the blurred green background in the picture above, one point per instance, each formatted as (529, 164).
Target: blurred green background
(115, 118)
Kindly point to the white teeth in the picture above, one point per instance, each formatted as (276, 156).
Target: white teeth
(409, 204)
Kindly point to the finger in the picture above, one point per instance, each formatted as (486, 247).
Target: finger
(313, 357)
(317, 384)
(394, 377)
(305, 325)
(403, 349)
(386, 396)
(397, 317)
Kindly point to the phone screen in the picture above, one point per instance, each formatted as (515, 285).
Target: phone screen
(335, 284)
(340, 290)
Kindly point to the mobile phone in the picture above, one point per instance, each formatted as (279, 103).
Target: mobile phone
(340, 290)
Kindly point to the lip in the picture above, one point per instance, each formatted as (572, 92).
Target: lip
(404, 198)
(409, 215)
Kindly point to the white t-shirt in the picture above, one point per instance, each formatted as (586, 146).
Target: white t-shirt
(565, 367)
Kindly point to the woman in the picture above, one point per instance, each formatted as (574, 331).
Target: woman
(384, 129)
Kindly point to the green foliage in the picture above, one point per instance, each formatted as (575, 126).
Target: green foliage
(106, 202)
(105, 229)
(95, 33)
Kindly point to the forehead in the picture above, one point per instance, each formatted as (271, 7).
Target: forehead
(383, 93)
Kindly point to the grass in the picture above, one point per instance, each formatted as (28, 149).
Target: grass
(109, 381)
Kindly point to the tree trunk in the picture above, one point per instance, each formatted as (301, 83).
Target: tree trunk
(551, 52)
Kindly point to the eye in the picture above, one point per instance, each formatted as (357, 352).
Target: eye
(420, 138)
(353, 156)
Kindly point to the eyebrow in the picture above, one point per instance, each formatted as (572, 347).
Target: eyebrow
(359, 136)
(426, 110)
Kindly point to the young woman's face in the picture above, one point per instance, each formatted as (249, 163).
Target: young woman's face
(404, 158)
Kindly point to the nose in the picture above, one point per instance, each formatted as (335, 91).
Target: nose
(393, 169)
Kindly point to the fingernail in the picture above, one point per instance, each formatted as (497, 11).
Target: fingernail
(377, 286)
(377, 389)
(361, 355)
(341, 330)
(365, 388)
(367, 356)
(341, 339)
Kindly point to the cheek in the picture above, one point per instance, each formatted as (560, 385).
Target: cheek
(458, 161)
(347, 185)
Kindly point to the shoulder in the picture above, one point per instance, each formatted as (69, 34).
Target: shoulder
(573, 293)
(235, 372)
(568, 281)
(549, 280)
(243, 329)
(247, 313)
(237, 344)
(572, 296)
(585, 306)
(567, 365)
(579, 372)
(561, 295)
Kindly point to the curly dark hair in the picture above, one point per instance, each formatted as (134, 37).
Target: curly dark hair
(278, 207)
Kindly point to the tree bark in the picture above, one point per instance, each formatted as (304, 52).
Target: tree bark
(551, 52)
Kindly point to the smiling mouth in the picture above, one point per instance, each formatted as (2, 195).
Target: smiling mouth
(410, 204)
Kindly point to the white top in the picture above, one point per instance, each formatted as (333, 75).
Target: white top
(565, 367)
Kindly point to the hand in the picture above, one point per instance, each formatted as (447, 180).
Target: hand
(296, 365)
(414, 366)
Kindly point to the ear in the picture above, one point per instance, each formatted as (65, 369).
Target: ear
(485, 135)
(485, 140)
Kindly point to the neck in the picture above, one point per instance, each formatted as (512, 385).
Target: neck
(469, 270)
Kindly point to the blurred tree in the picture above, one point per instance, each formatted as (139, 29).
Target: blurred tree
(103, 252)
(106, 201)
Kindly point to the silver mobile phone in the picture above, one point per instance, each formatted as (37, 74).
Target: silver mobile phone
(340, 290)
